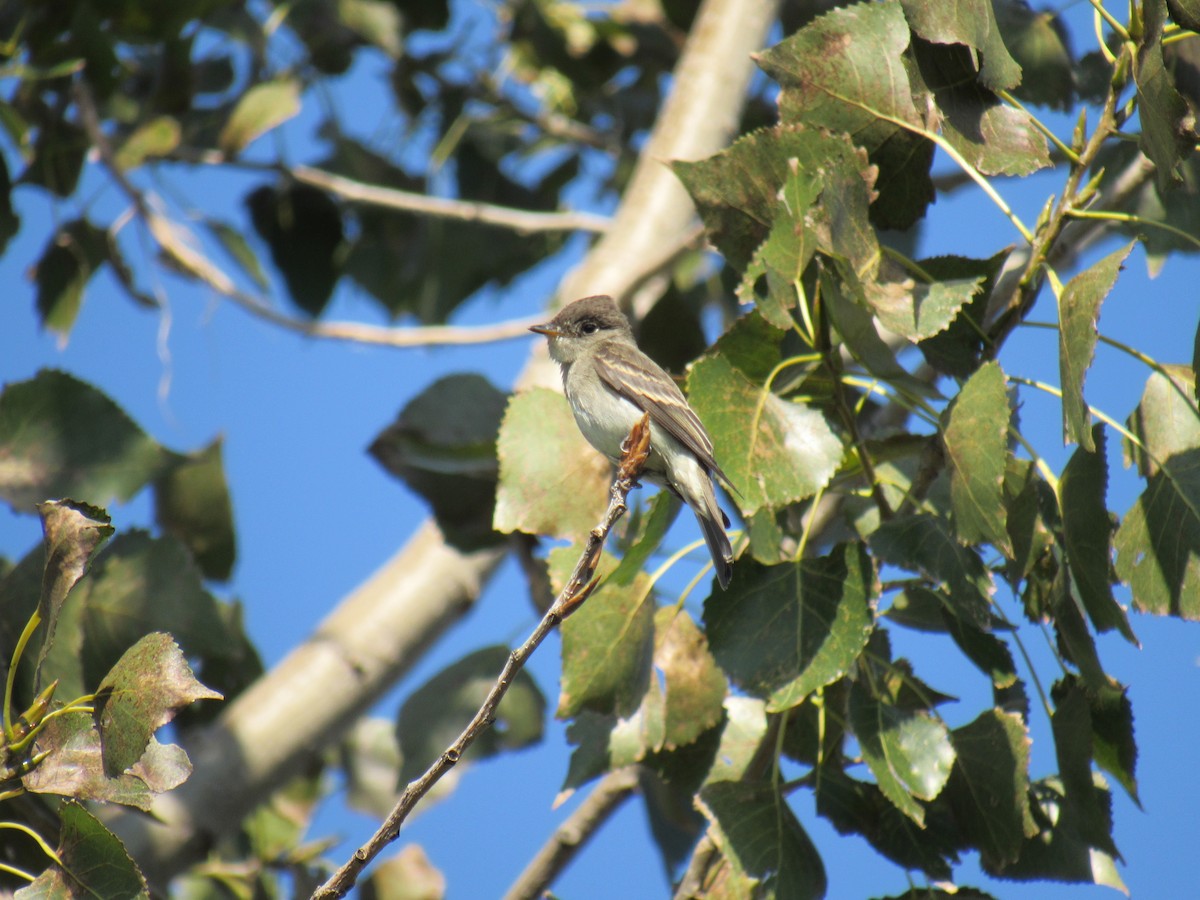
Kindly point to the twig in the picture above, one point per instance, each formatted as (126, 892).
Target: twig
(522, 221)
(692, 885)
(554, 856)
(577, 589)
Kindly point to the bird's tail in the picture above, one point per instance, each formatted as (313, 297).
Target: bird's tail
(710, 520)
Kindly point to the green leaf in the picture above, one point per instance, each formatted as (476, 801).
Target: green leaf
(1078, 315)
(908, 751)
(1168, 128)
(646, 531)
(1032, 517)
(443, 446)
(923, 543)
(407, 875)
(10, 222)
(263, 107)
(94, 863)
(75, 766)
(551, 480)
(775, 451)
(974, 25)
(1113, 746)
(191, 501)
(607, 645)
(958, 350)
(975, 437)
(73, 532)
(991, 135)
(139, 584)
(303, 228)
(155, 138)
(989, 785)
(58, 157)
(753, 346)
(1158, 542)
(860, 809)
(757, 832)
(60, 437)
(139, 695)
(370, 757)
(781, 632)
(1072, 726)
(378, 22)
(737, 191)
(239, 251)
(918, 310)
(1058, 851)
(845, 71)
(741, 739)
(1038, 40)
(437, 712)
(1087, 536)
(70, 259)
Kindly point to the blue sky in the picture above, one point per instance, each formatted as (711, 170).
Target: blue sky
(316, 515)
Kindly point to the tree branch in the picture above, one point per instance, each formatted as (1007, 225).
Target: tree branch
(577, 589)
(522, 221)
(606, 798)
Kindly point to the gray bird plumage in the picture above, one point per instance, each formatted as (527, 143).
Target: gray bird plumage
(610, 384)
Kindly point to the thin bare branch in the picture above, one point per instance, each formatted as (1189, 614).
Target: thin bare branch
(522, 221)
(569, 837)
(180, 247)
(577, 589)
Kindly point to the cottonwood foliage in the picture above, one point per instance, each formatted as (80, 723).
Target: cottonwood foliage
(858, 399)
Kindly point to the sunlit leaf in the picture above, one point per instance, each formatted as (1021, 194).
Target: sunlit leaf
(775, 451)
(1079, 313)
(975, 437)
(551, 480)
(263, 107)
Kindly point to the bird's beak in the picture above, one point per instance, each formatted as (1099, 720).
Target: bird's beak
(548, 330)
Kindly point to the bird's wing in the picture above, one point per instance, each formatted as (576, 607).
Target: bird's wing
(637, 378)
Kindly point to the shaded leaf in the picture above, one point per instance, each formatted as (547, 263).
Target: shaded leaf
(989, 785)
(1168, 125)
(783, 631)
(958, 349)
(1078, 315)
(70, 259)
(974, 25)
(1113, 746)
(303, 229)
(443, 446)
(758, 833)
(263, 107)
(75, 765)
(10, 222)
(1087, 536)
(370, 757)
(94, 863)
(58, 156)
(1158, 542)
(908, 751)
(858, 808)
(923, 543)
(775, 451)
(60, 437)
(239, 251)
(436, 712)
(191, 501)
(975, 437)
(1037, 40)
(551, 479)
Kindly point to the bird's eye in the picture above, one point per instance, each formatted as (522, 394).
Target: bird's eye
(589, 327)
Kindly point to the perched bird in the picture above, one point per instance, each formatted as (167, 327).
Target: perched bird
(610, 384)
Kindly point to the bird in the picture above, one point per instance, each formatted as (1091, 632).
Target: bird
(610, 384)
